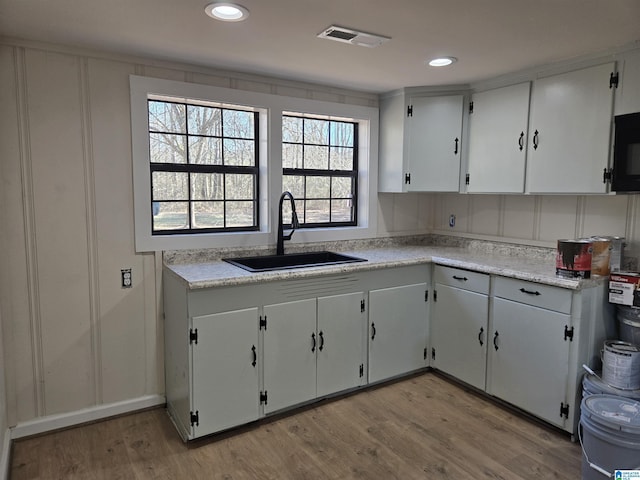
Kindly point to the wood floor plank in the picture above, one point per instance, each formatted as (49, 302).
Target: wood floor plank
(422, 427)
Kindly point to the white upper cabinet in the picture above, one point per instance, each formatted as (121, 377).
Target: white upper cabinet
(569, 132)
(420, 142)
(498, 140)
(628, 92)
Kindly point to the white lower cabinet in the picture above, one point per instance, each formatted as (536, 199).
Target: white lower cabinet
(529, 358)
(289, 354)
(397, 331)
(460, 323)
(225, 370)
(235, 354)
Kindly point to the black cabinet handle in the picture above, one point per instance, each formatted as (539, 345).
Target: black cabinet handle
(535, 140)
(521, 141)
(321, 341)
(529, 292)
(255, 356)
(462, 279)
(373, 331)
(455, 151)
(313, 339)
(495, 340)
(480, 336)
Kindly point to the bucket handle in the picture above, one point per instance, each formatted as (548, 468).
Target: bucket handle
(597, 468)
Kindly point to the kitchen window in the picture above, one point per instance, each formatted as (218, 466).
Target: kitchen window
(204, 168)
(320, 169)
(210, 164)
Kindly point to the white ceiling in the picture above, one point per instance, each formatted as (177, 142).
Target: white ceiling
(489, 37)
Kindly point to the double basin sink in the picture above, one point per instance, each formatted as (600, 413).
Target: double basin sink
(291, 260)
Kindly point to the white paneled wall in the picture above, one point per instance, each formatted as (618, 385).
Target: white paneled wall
(74, 340)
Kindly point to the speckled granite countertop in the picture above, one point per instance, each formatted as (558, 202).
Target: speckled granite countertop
(197, 270)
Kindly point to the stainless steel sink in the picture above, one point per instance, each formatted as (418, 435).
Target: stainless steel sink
(291, 260)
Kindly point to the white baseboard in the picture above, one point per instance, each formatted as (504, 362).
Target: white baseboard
(99, 412)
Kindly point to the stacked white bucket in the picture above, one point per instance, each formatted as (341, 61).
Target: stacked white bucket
(610, 409)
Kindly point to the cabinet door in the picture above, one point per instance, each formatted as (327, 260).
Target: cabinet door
(529, 358)
(341, 333)
(434, 144)
(459, 334)
(397, 330)
(290, 345)
(225, 381)
(498, 140)
(569, 132)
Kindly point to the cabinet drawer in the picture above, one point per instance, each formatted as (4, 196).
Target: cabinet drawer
(530, 293)
(465, 279)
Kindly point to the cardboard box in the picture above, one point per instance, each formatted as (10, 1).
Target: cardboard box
(624, 288)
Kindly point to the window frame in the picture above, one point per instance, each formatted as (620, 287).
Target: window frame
(270, 107)
(189, 168)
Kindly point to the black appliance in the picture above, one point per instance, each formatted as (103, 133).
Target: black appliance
(626, 154)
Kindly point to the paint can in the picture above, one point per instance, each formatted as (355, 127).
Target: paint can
(621, 364)
(617, 253)
(573, 258)
(601, 255)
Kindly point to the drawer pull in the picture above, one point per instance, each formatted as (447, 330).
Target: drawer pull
(495, 340)
(321, 341)
(462, 279)
(255, 356)
(480, 336)
(373, 331)
(313, 339)
(529, 292)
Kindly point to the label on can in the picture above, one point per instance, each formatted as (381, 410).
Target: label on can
(601, 256)
(573, 258)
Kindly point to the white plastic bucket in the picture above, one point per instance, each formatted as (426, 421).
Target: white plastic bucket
(621, 365)
(629, 323)
(592, 384)
(609, 435)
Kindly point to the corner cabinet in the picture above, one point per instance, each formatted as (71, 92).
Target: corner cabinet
(420, 141)
(528, 347)
(569, 131)
(235, 354)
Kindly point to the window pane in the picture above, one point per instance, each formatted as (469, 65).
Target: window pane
(294, 184)
(342, 134)
(317, 211)
(316, 131)
(341, 158)
(237, 124)
(292, 129)
(167, 117)
(318, 187)
(341, 187)
(207, 186)
(239, 187)
(166, 148)
(204, 120)
(170, 186)
(171, 216)
(316, 157)
(291, 156)
(239, 214)
(239, 152)
(208, 215)
(205, 150)
(341, 211)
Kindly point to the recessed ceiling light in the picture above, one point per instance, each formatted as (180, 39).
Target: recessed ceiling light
(227, 12)
(442, 61)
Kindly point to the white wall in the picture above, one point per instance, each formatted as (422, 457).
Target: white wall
(73, 339)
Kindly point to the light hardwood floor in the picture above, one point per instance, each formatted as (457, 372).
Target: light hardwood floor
(423, 427)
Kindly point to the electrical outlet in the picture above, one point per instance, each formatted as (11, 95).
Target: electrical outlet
(125, 277)
(452, 220)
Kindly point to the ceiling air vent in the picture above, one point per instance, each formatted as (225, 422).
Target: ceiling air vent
(354, 37)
